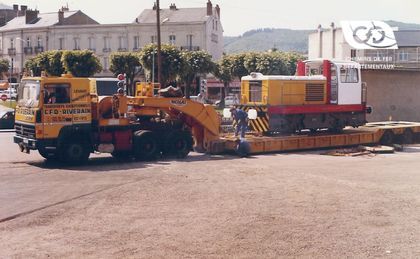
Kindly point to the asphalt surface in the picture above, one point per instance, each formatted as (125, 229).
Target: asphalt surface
(269, 206)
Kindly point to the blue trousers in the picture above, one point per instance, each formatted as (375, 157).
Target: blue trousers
(241, 127)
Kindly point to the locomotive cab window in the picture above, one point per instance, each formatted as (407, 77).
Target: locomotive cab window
(56, 93)
(255, 91)
(349, 75)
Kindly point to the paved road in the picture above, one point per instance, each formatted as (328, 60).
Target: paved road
(279, 205)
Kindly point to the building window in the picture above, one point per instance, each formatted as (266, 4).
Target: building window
(172, 39)
(76, 43)
(216, 25)
(92, 43)
(12, 43)
(28, 42)
(39, 41)
(122, 43)
(189, 40)
(61, 43)
(106, 63)
(153, 39)
(352, 54)
(107, 44)
(403, 56)
(136, 42)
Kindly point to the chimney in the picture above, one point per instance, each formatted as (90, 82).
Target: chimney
(209, 8)
(154, 6)
(31, 16)
(65, 8)
(218, 10)
(23, 8)
(15, 7)
(61, 17)
(172, 7)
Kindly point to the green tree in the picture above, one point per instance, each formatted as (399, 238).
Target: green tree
(172, 62)
(4, 66)
(32, 66)
(197, 62)
(48, 61)
(238, 65)
(223, 71)
(128, 63)
(81, 63)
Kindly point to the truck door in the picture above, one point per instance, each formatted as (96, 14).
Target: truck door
(55, 116)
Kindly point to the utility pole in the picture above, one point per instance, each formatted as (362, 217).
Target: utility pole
(159, 60)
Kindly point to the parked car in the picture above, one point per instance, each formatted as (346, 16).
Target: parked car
(10, 93)
(7, 119)
(230, 100)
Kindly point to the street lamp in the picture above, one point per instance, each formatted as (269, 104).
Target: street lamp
(158, 51)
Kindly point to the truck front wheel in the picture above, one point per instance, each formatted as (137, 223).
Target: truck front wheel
(74, 152)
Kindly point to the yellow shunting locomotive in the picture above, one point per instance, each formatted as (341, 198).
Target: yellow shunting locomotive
(323, 94)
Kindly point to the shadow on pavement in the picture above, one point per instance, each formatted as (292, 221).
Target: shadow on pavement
(107, 164)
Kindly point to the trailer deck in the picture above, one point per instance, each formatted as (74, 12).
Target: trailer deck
(386, 133)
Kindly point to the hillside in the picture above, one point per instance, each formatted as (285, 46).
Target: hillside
(264, 39)
(283, 39)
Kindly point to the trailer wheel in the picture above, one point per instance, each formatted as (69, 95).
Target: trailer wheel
(387, 138)
(145, 145)
(74, 152)
(408, 137)
(178, 143)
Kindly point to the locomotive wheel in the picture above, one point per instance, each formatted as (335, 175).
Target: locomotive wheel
(178, 144)
(387, 138)
(145, 145)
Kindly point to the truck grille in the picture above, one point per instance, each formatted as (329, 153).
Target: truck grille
(25, 130)
(314, 93)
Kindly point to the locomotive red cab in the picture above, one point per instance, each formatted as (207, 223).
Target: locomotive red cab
(324, 94)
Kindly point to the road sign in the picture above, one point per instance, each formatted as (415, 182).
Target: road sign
(3, 97)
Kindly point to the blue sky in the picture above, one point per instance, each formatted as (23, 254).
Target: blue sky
(239, 16)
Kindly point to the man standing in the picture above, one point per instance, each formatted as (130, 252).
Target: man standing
(241, 119)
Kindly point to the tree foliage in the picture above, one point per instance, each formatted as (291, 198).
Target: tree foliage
(81, 63)
(48, 61)
(126, 63)
(172, 62)
(4, 65)
(223, 71)
(196, 62)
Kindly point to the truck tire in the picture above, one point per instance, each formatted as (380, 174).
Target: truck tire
(146, 146)
(48, 155)
(178, 144)
(74, 153)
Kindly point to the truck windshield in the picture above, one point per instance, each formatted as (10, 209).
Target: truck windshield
(28, 93)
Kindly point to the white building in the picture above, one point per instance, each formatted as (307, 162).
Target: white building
(32, 32)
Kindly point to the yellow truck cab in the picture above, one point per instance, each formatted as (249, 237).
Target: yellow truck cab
(52, 113)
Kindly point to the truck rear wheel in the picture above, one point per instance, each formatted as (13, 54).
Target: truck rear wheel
(74, 152)
(145, 145)
(178, 143)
